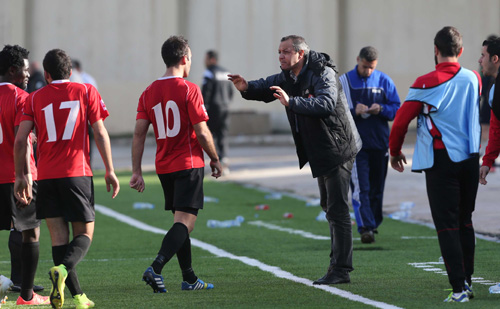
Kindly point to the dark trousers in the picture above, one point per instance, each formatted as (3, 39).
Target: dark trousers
(217, 123)
(367, 183)
(452, 189)
(334, 190)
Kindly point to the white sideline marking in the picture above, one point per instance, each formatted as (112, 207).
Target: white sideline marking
(418, 237)
(288, 230)
(292, 231)
(430, 266)
(278, 272)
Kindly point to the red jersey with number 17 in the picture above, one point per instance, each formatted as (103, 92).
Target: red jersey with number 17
(61, 112)
(12, 100)
(173, 105)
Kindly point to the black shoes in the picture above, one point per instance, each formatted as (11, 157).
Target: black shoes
(17, 288)
(334, 277)
(367, 237)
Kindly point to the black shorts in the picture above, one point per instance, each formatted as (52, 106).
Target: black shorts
(183, 190)
(71, 198)
(22, 218)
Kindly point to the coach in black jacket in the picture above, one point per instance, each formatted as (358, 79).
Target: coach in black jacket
(324, 134)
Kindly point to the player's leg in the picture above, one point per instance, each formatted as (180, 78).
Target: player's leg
(75, 204)
(190, 281)
(15, 237)
(59, 234)
(443, 190)
(468, 192)
(24, 219)
(337, 214)
(361, 190)
(15, 248)
(379, 160)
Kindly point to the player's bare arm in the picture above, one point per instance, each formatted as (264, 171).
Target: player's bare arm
(207, 143)
(397, 162)
(23, 183)
(140, 132)
(238, 81)
(483, 172)
(103, 144)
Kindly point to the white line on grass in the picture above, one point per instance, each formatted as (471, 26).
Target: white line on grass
(278, 272)
(429, 266)
(291, 231)
(288, 230)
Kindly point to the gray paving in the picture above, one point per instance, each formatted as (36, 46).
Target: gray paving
(271, 162)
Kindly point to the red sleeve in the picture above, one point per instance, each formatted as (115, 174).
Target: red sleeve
(141, 108)
(21, 100)
(97, 109)
(493, 148)
(196, 108)
(408, 111)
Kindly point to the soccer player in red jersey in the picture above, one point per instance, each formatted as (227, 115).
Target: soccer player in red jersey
(60, 113)
(13, 79)
(175, 108)
(446, 102)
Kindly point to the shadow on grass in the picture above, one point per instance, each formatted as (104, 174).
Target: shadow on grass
(365, 248)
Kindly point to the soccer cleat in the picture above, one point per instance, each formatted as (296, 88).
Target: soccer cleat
(468, 290)
(198, 285)
(154, 280)
(460, 298)
(35, 300)
(82, 301)
(58, 275)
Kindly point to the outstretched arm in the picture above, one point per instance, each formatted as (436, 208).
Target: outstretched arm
(238, 81)
(103, 144)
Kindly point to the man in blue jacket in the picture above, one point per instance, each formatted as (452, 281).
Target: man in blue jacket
(324, 135)
(373, 101)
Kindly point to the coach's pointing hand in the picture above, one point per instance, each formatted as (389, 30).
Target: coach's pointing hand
(239, 82)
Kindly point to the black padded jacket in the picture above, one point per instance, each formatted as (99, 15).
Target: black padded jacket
(320, 120)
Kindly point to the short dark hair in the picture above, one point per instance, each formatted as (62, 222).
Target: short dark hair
(12, 56)
(173, 50)
(76, 64)
(299, 43)
(58, 64)
(212, 54)
(448, 41)
(369, 53)
(492, 46)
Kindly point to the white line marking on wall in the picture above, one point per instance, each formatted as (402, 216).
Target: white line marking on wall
(276, 271)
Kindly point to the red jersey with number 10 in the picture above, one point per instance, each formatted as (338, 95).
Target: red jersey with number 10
(61, 112)
(12, 100)
(173, 105)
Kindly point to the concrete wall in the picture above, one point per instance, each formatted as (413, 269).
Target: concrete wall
(118, 41)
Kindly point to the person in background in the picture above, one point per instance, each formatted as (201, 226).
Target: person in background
(37, 80)
(373, 101)
(217, 93)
